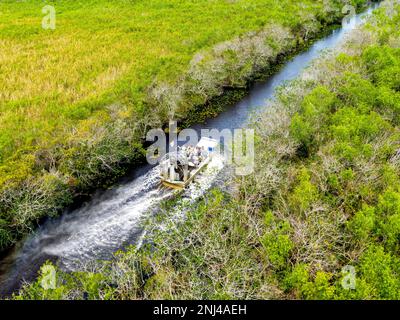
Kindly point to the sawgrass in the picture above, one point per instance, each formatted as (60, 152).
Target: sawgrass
(102, 52)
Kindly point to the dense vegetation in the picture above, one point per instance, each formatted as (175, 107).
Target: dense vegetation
(326, 195)
(75, 102)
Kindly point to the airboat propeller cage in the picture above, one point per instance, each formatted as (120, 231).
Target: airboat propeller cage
(178, 169)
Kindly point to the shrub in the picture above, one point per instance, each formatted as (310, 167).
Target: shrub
(304, 193)
(363, 223)
(381, 271)
(277, 242)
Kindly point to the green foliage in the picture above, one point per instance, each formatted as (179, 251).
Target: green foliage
(354, 131)
(388, 226)
(38, 290)
(277, 242)
(380, 270)
(54, 284)
(362, 224)
(319, 288)
(5, 234)
(304, 193)
(305, 127)
(383, 63)
(381, 221)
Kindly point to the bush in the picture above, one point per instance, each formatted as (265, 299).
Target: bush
(304, 193)
(363, 224)
(277, 242)
(381, 270)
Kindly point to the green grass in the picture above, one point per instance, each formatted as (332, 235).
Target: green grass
(104, 52)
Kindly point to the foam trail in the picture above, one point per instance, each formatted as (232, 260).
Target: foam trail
(98, 228)
(106, 223)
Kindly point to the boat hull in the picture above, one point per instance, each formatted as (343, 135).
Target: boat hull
(173, 185)
(179, 185)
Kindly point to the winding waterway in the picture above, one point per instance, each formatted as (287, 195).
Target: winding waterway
(112, 218)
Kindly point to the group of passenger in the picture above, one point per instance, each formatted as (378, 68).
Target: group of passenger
(194, 154)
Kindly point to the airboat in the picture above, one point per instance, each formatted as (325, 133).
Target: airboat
(179, 168)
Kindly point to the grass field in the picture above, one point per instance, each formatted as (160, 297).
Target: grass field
(104, 52)
(76, 101)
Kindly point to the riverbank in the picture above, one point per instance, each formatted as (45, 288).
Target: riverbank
(99, 141)
(324, 201)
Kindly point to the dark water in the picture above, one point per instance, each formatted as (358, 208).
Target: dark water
(112, 218)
